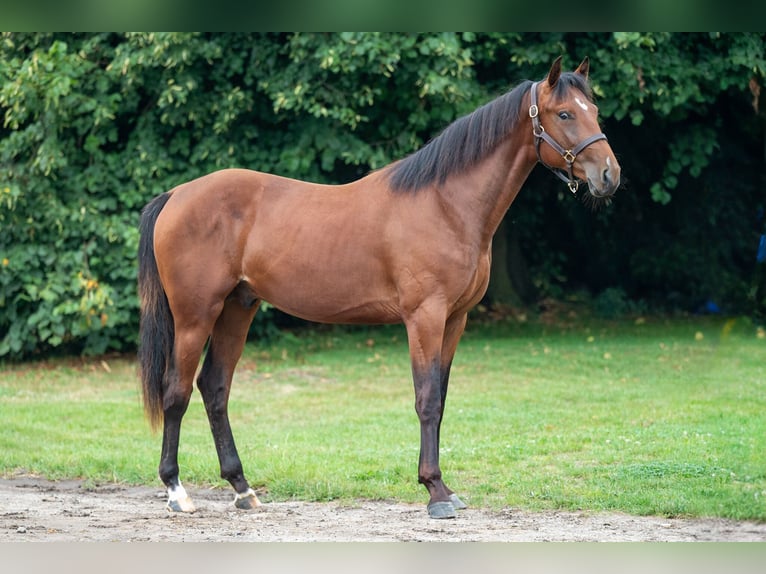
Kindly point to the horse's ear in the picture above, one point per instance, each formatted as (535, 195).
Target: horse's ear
(584, 68)
(555, 72)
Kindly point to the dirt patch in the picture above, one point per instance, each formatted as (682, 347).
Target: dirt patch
(37, 510)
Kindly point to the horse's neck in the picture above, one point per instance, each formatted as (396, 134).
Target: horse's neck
(483, 195)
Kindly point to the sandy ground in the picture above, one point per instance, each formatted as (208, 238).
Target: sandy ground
(37, 510)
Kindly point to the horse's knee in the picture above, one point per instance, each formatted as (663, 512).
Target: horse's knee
(429, 409)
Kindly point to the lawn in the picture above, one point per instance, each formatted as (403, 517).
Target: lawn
(645, 416)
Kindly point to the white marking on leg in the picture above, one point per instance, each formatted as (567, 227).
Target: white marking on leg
(582, 104)
(179, 500)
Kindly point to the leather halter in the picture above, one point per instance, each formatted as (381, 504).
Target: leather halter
(568, 155)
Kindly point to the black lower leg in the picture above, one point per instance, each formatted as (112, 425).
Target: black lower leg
(231, 465)
(214, 389)
(178, 500)
(168, 469)
(428, 404)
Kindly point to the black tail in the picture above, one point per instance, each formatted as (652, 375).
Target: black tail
(156, 331)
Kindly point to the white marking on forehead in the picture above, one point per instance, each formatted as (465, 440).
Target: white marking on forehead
(582, 104)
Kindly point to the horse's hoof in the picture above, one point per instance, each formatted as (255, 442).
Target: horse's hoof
(181, 505)
(456, 502)
(247, 500)
(441, 510)
(178, 500)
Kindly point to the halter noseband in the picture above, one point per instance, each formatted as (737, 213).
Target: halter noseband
(569, 155)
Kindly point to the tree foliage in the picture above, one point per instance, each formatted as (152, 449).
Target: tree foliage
(94, 125)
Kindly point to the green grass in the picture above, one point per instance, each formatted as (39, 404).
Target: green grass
(657, 416)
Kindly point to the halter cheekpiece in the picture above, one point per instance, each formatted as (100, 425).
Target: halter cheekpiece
(568, 155)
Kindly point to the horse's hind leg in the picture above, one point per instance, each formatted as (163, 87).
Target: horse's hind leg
(214, 382)
(188, 346)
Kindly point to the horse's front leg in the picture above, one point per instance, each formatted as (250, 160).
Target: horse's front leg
(426, 334)
(428, 405)
(452, 334)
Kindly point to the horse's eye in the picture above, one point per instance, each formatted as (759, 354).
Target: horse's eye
(564, 115)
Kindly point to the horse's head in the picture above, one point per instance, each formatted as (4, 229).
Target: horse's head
(567, 135)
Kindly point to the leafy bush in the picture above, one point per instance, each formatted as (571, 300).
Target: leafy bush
(613, 302)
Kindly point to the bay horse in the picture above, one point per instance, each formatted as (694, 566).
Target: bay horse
(409, 243)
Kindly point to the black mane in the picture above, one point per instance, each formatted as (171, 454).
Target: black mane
(471, 138)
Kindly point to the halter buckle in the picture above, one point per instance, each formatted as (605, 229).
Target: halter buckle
(568, 156)
(533, 111)
(573, 185)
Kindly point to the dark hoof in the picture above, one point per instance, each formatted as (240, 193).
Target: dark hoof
(247, 500)
(441, 510)
(456, 502)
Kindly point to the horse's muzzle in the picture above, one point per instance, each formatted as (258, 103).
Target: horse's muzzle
(606, 185)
